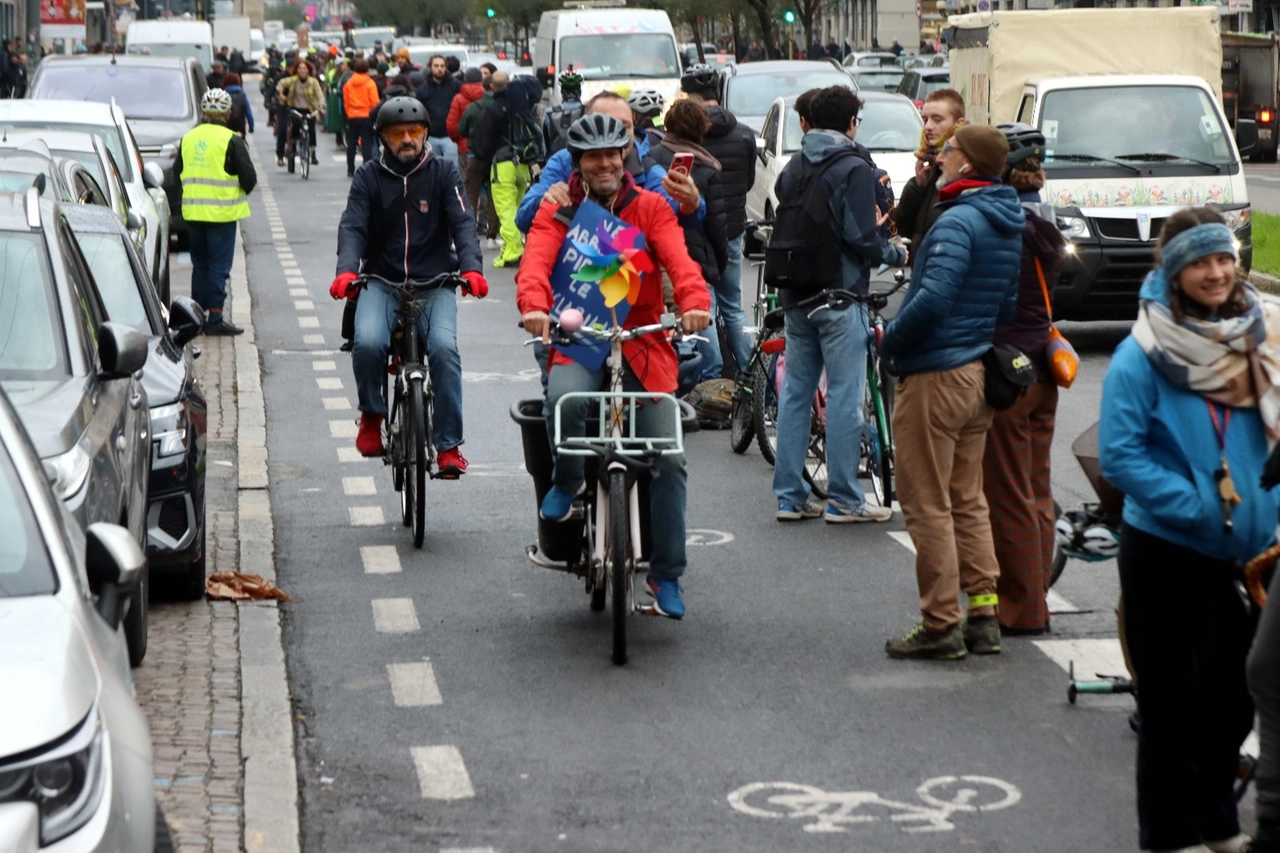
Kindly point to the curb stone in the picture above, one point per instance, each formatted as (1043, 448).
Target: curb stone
(1265, 282)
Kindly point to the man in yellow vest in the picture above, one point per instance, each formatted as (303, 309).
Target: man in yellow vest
(217, 176)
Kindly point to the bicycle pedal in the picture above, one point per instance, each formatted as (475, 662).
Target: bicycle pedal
(577, 512)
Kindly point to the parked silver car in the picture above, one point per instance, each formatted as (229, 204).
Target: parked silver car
(75, 750)
(71, 375)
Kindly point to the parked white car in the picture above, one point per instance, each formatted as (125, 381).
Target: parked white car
(890, 130)
(75, 750)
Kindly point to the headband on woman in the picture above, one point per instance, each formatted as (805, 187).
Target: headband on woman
(1211, 238)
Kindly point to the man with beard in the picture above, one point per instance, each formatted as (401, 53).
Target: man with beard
(436, 94)
(597, 144)
(405, 215)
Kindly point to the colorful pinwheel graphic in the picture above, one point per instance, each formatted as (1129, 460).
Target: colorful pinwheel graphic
(617, 265)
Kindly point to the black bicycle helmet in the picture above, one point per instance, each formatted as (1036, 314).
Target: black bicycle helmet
(698, 78)
(597, 132)
(401, 110)
(1024, 142)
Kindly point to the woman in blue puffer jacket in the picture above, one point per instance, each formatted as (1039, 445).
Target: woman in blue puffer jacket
(1189, 405)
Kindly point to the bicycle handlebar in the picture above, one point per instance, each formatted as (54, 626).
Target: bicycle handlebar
(436, 281)
(668, 324)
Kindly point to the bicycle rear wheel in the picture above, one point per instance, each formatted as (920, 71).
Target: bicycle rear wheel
(1059, 557)
(619, 547)
(873, 453)
(815, 461)
(417, 453)
(292, 151)
(765, 406)
(741, 424)
(304, 152)
(395, 421)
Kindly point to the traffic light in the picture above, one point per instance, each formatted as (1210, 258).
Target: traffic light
(789, 16)
(490, 12)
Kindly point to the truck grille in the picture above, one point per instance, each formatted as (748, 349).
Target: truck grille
(1124, 229)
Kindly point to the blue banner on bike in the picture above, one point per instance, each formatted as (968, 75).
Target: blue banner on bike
(599, 266)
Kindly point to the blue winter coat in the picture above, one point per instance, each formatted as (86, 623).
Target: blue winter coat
(1158, 446)
(560, 166)
(964, 282)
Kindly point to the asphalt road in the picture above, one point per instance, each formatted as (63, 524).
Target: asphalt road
(460, 697)
(1263, 182)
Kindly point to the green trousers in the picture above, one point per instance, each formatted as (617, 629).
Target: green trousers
(507, 184)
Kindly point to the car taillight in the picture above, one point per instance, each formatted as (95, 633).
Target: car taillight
(1265, 116)
(773, 346)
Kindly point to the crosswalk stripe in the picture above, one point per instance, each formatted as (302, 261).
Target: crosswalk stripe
(380, 559)
(394, 616)
(413, 685)
(441, 773)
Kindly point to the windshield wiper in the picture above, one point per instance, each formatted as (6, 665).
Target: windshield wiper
(1160, 157)
(1089, 158)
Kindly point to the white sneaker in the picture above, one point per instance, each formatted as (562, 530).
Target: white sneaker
(837, 514)
(1235, 844)
(491, 243)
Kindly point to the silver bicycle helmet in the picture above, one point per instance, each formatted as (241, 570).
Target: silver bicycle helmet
(401, 110)
(216, 102)
(646, 102)
(597, 132)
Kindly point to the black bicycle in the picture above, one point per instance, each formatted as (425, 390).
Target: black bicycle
(407, 440)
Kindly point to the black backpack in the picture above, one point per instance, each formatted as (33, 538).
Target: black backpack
(527, 144)
(802, 253)
(558, 121)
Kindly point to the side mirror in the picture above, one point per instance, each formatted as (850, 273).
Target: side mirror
(153, 176)
(1246, 136)
(133, 220)
(114, 565)
(122, 350)
(186, 319)
(760, 150)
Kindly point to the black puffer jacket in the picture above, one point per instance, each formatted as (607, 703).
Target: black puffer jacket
(1029, 328)
(437, 98)
(734, 145)
(706, 242)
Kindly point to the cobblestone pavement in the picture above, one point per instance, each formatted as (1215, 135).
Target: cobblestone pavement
(189, 683)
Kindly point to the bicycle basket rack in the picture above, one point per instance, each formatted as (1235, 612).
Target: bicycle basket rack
(628, 444)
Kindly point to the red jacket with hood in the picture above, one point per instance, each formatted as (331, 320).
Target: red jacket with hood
(467, 95)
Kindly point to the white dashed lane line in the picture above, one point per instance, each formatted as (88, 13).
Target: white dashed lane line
(441, 773)
(366, 516)
(329, 383)
(308, 322)
(313, 340)
(303, 305)
(350, 454)
(336, 404)
(380, 559)
(395, 616)
(343, 429)
(413, 685)
(324, 366)
(358, 486)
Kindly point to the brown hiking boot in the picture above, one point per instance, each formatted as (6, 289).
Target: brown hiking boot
(922, 644)
(982, 635)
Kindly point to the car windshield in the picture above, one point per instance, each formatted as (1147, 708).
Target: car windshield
(892, 125)
(184, 50)
(753, 94)
(933, 83)
(112, 272)
(19, 171)
(1157, 122)
(886, 80)
(24, 564)
(31, 345)
(108, 133)
(610, 55)
(142, 92)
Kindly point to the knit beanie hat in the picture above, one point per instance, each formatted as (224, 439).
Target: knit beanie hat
(984, 146)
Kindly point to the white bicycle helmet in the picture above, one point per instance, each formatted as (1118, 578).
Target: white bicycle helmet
(646, 102)
(1101, 542)
(597, 132)
(216, 102)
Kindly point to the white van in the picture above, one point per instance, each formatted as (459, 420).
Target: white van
(608, 47)
(172, 38)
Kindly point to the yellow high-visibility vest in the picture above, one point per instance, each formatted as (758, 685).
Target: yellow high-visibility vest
(209, 192)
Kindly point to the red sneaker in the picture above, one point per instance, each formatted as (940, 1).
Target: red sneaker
(452, 464)
(369, 438)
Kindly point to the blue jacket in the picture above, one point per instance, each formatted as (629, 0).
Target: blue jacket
(435, 234)
(560, 166)
(1159, 447)
(964, 282)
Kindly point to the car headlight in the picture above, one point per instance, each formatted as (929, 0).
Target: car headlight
(66, 784)
(69, 472)
(169, 428)
(1074, 227)
(1237, 217)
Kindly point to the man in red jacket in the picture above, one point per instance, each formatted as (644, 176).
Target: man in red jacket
(597, 143)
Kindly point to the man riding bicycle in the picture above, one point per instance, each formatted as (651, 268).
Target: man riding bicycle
(406, 213)
(598, 144)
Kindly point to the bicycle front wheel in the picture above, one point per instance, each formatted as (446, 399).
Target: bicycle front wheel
(417, 452)
(619, 548)
(304, 153)
(815, 461)
(873, 453)
(741, 423)
(765, 405)
(292, 151)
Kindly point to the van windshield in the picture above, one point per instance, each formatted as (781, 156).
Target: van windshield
(608, 56)
(142, 92)
(1135, 125)
(186, 50)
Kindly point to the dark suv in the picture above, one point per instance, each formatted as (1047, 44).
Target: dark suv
(71, 376)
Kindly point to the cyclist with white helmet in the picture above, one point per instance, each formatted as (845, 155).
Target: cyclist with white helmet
(597, 143)
(216, 176)
(646, 105)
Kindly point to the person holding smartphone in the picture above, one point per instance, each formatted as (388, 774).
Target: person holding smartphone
(917, 208)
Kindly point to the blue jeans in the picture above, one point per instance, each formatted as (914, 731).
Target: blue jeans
(438, 326)
(213, 248)
(669, 488)
(838, 341)
(726, 297)
(445, 147)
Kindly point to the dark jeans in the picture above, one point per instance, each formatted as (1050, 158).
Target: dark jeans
(1188, 634)
(212, 246)
(284, 119)
(1264, 684)
(360, 130)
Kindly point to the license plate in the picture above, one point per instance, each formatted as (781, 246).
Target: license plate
(1264, 133)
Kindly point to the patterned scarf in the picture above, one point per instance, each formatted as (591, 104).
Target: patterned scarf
(1234, 361)
(925, 152)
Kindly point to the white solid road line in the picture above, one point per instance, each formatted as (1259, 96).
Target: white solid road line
(413, 685)
(336, 404)
(358, 486)
(366, 516)
(394, 616)
(380, 559)
(441, 773)
(328, 383)
(343, 429)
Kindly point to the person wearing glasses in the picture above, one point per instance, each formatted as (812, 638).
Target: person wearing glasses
(407, 219)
